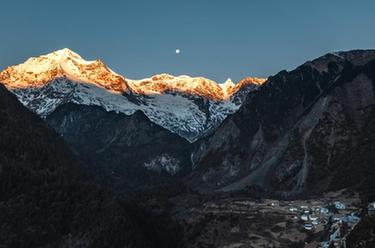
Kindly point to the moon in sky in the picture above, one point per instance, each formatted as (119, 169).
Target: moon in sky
(177, 51)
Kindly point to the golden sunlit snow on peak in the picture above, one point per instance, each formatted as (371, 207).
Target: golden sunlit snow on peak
(37, 71)
(250, 80)
(64, 63)
(162, 83)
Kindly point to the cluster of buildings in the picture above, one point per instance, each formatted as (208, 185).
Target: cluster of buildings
(328, 221)
(333, 218)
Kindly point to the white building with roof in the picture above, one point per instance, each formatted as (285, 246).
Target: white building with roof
(371, 209)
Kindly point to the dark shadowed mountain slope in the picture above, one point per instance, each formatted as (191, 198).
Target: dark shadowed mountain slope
(300, 132)
(125, 151)
(42, 203)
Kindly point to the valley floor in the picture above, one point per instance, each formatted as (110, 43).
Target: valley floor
(239, 222)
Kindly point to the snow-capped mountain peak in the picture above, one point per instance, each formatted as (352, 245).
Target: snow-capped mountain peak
(37, 71)
(188, 106)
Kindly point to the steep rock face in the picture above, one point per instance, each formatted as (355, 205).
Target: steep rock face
(125, 151)
(296, 132)
(43, 202)
(46, 82)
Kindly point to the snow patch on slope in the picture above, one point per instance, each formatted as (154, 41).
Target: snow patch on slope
(164, 163)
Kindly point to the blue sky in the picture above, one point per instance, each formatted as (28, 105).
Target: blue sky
(218, 38)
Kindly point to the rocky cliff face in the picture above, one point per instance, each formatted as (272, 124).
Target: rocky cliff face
(125, 151)
(297, 132)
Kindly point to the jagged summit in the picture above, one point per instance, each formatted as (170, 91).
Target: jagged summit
(159, 84)
(37, 71)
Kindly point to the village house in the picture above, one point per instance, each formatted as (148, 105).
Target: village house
(371, 209)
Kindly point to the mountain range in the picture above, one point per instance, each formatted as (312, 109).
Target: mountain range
(294, 135)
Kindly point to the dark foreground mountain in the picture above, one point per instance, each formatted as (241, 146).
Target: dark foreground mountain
(43, 203)
(305, 131)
